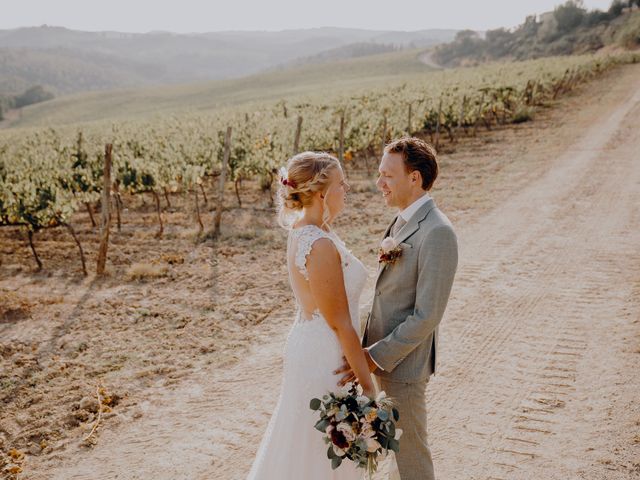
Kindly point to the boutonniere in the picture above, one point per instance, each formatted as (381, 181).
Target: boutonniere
(389, 251)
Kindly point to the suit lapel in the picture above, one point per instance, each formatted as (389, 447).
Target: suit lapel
(411, 227)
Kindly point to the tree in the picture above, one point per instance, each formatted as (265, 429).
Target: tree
(32, 95)
(467, 43)
(615, 10)
(498, 42)
(569, 15)
(528, 29)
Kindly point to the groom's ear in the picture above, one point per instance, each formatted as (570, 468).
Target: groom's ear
(416, 177)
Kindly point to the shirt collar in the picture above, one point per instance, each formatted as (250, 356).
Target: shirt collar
(408, 212)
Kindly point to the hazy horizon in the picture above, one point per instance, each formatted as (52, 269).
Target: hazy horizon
(251, 15)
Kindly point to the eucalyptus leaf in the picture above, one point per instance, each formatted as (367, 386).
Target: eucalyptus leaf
(394, 445)
(330, 453)
(322, 424)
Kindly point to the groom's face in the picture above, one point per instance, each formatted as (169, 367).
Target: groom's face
(394, 181)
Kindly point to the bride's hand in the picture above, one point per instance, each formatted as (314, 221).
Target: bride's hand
(371, 393)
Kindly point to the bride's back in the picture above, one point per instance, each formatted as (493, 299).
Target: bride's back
(299, 246)
(352, 275)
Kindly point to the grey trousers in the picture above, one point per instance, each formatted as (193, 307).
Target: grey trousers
(414, 458)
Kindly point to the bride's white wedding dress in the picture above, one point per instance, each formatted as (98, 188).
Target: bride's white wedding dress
(291, 448)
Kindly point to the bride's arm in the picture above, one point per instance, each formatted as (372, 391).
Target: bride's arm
(327, 287)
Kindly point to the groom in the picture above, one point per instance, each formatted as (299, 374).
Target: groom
(411, 293)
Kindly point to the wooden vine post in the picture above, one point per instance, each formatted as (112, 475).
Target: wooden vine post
(159, 212)
(461, 117)
(198, 218)
(437, 141)
(341, 140)
(478, 115)
(105, 222)
(223, 174)
(384, 131)
(296, 140)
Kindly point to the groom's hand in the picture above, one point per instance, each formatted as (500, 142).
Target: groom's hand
(349, 376)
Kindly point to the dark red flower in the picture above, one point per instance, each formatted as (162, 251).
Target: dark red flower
(288, 183)
(339, 439)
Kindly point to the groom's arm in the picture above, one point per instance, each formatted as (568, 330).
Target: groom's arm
(438, 260)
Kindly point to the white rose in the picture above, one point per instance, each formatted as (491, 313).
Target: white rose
(382, 395)
(367, 431)
(344, 391)
(372, 444)
(347, 431)
(388, 244)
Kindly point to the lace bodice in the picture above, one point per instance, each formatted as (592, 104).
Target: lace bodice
(354, 272)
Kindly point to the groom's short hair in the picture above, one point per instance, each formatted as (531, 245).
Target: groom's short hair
(418, 155)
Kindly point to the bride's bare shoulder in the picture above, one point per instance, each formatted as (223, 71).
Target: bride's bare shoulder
(324, 258)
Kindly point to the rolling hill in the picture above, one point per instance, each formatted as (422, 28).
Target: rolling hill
(345, 75)
(67, 61)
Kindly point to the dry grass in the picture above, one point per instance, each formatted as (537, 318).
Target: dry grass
(144, 271)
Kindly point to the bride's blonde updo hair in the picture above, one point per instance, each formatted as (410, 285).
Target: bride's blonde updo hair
(306, 173)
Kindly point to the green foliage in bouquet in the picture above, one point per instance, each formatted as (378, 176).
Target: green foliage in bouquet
(357, 427)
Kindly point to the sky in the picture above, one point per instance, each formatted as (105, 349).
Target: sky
(186, 16)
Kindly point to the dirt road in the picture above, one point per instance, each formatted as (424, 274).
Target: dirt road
(540, 346)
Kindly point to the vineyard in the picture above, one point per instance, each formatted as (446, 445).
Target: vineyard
(48, 174)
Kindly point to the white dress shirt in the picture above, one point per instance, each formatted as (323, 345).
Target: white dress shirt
(406, 215)
(411, 210)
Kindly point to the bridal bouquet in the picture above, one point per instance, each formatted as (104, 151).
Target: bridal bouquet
(357, 427)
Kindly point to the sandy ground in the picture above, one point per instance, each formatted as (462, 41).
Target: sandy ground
(540, 344)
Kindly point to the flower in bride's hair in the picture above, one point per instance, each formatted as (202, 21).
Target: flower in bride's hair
(284, 178)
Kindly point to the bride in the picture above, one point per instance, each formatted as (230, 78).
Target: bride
(327, 280)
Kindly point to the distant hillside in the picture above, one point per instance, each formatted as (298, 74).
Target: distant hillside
(67, 71)
(569, 29)
(312, 79)
(68, 61)
(383, 43)
(354, 50)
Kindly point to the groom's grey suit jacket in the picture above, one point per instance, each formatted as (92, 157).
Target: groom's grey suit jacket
(411, 296)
